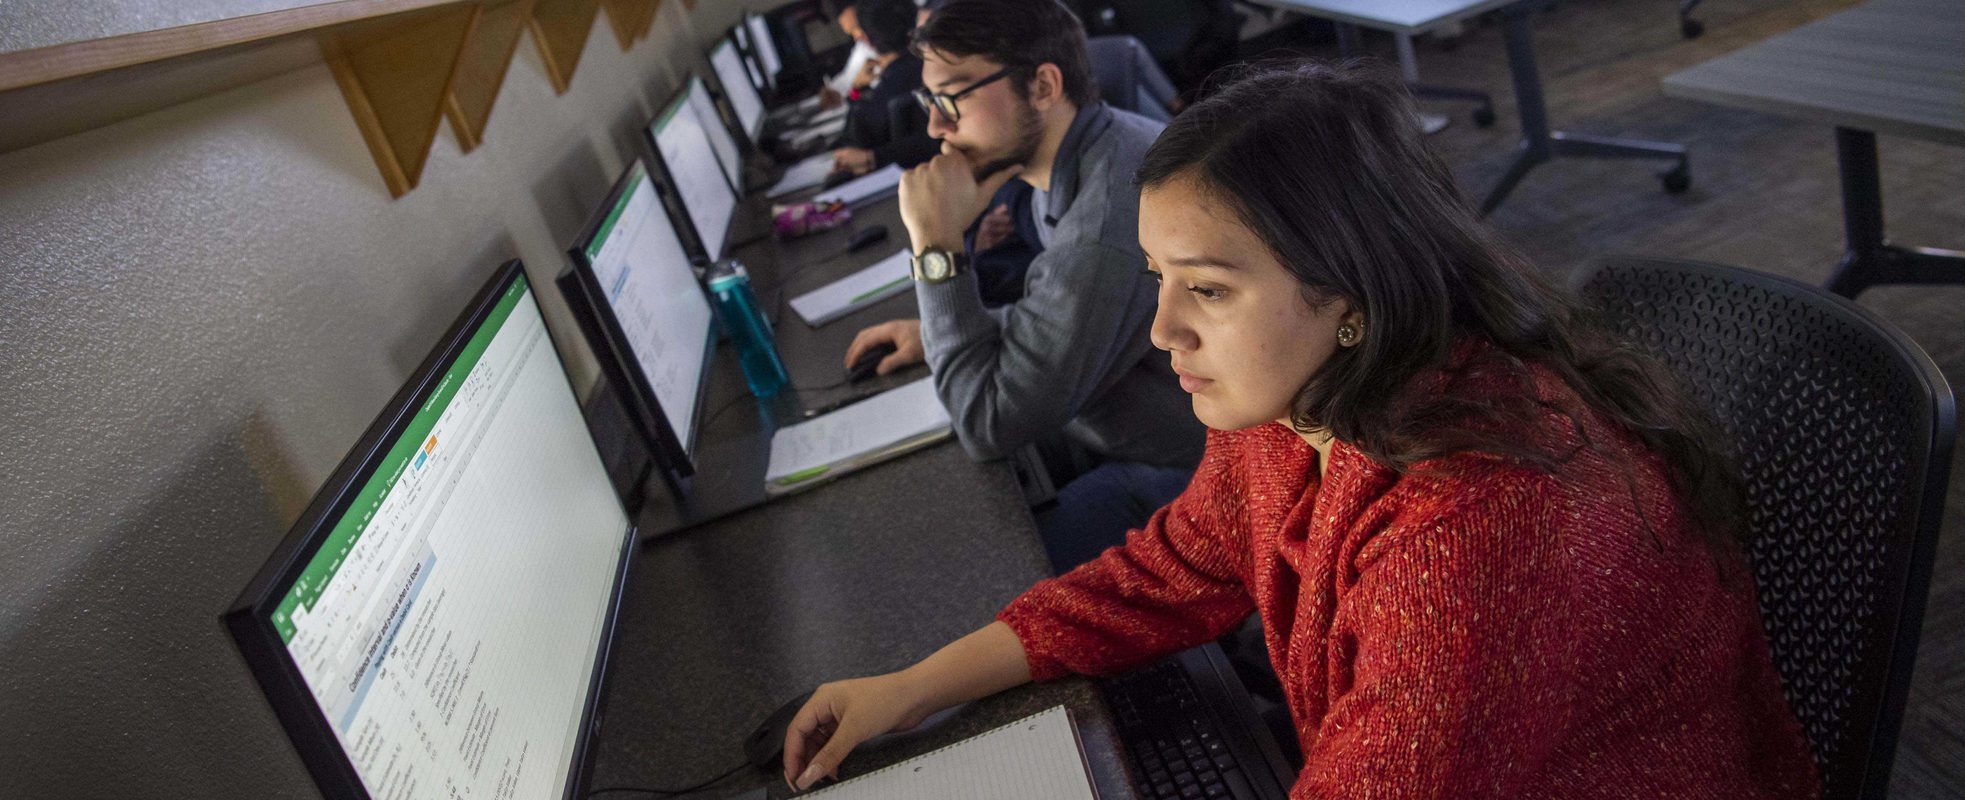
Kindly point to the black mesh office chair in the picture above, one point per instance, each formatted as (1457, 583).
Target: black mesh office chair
(1844, 429)
(1689, 27)
(1189, 39)
(1128, 78)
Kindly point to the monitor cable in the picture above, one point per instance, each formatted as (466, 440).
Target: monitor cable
(669, 792)
(733, 402)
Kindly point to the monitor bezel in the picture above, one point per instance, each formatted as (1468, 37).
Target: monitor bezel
(249, 619)
(671, 449)
(740, 35)
(751, 132)
(750, 21)
(682, 90)
(679, 212)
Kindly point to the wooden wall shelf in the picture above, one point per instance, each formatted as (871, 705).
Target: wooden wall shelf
(395, 74)
(560, 28)
(481, 68)
(402, 65)
(631, 19)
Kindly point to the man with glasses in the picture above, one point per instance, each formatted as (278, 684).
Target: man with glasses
(1067, 366)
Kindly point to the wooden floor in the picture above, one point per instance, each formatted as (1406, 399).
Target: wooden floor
(1764, 195)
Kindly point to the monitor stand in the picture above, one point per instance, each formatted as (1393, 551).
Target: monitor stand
(751, 222)
(622, 454)
(729, 471)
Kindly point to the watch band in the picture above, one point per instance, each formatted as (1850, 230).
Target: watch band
(958, 263)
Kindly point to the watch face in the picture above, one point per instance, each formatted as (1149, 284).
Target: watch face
(935, 265)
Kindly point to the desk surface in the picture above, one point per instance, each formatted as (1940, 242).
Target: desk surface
(1398, 16)
(727, 620)
(733, 445)
(1888, 66)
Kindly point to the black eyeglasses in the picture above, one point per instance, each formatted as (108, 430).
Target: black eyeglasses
(945, 103)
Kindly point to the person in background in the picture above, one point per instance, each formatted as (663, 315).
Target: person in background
(1494, 550)
(871, 140)
(854, 75)
(1067, 366)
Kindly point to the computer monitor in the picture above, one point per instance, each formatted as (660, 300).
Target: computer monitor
(764, 47)
(646, 317)
(741, 34)
(438, 621)
(728, 154)
(732, 78)
(680, 141)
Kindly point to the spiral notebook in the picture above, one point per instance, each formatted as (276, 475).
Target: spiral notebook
(887, 277)
(880, 427)
(1035, 757)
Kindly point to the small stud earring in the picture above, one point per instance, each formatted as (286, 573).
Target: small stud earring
(1347, 334)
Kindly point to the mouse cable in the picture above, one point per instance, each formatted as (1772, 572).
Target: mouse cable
(713, 416)
(660, 792)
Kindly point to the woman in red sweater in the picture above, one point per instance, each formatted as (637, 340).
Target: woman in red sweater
(1494, 553)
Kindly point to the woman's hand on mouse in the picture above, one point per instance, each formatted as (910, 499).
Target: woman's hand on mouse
(843, 714)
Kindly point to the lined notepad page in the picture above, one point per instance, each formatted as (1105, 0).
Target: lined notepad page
(861, 430)
(887, 277)
(1034, 757)
(878, 183)
(803, 175)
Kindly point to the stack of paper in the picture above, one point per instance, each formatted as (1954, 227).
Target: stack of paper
(865, 432)
(828, 115)
(887, 277)
(1035, 757)
(812, 135)
(877, 183)
(802, 175)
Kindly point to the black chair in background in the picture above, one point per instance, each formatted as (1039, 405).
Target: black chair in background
(1688, 26)
(1128, 78)
(1189, 39)
(1844, 429)
(810, 46)
(906, 120)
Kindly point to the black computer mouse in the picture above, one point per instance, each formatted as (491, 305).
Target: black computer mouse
(865, 236)
(765, 747)
(837, 177)
(869, 361)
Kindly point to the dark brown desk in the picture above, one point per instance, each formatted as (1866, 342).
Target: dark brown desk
(726, 620)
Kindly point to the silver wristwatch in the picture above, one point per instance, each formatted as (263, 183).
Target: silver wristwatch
(934, 265)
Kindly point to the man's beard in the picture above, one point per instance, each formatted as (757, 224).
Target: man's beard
(1030, 130)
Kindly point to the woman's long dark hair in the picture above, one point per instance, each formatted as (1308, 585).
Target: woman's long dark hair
(1326, 165)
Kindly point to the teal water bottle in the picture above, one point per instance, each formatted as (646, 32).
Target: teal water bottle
(750, 331)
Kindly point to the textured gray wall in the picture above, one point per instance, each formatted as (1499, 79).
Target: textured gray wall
(200, 310)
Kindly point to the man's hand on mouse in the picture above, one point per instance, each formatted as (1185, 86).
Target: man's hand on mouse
(942, 196)
(903, 334)
(857, 160)
(843, 714)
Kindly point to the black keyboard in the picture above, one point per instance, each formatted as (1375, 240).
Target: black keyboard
(1176, 741)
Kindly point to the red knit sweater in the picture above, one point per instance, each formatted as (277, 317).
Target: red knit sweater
(1473, 629)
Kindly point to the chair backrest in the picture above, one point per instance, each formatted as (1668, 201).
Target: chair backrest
(905, 118)
(1128, 77)
(1844, 430)
(1165, 27)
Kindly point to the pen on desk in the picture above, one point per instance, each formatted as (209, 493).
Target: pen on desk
(836, 405)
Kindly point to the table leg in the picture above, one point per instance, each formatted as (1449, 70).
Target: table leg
(1349, 43)
(1539, 144)
(1434, 123)
(1867, 259)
